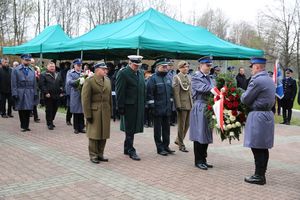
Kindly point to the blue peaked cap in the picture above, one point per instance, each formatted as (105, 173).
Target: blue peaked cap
(256, 60)
(26, 57)
(205, 60)
(77, 61)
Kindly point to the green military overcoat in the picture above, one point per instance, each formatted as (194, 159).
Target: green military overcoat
(130, 93)
(97, 103)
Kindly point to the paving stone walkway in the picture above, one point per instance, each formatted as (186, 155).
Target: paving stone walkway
(44, 164)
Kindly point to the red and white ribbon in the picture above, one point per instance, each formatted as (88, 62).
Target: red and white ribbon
(218, 106)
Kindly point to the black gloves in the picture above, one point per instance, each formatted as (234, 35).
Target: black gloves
(89, 120)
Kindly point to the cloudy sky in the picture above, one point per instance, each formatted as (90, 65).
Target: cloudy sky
(235, 10)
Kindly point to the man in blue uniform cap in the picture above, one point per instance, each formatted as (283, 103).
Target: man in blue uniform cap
(290, 91)
(200, 132)
(23, 89)
(259, 129)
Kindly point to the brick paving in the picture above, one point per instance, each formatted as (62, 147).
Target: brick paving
(44, 164)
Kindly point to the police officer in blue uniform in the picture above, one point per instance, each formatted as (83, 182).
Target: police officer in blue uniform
(200, 132)
(160, 99)
(75, 97)
(259, 129)
(23, 89)
(290, 91)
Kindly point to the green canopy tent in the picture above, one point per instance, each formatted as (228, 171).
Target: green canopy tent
(50, 35)
(151, 34)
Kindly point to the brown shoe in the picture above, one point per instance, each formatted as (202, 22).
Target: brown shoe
(95, 160)
(103, 159)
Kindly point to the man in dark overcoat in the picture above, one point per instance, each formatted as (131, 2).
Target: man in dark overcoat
(259, 129)
(290, 91)
(5, 89)
(23, 89)
(130, 93)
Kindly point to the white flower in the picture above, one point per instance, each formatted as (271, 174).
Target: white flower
(227, 121)
(232, 118)
(213, 116)
(238, 124)
(81, 80)
(229, 126)
(217, 126)
(225, 128)
(225, 111)
(233, 125)
(231, 133)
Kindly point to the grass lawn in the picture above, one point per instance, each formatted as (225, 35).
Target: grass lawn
(296, 105)
(294, 121)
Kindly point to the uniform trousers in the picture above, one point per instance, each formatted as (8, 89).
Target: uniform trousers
(200, 152)
(96, 148)
(261, 158)
(128, 143)
(287, 106)
(51, 109)
(78, 121)
(35, 113)
(183, 119)
(69, 115)
(161, 132)
(3, 98)
(24, 116)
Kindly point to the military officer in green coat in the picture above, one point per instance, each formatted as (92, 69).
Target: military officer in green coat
(97, 103)
(183, 101)
(130, 93)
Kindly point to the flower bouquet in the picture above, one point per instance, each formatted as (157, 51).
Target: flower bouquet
(80, 81)
(225, 111)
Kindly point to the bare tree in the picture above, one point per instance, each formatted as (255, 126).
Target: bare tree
(215, 21)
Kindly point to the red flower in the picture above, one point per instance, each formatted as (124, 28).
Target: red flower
(209, 107)
(237, 96)
(234, 113)
(232, 89)
(231, 98)
(235, 104)
(229, 105)
(217, 97)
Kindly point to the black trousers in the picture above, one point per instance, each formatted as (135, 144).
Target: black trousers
(35, 113)
(200, 152)
(148, 117)
(78, 121)
(261, 158)
(24, 116)
(128, 143)
(161, 132)
(287, 106)
(69, 115)
(51, 109)
(5, 97)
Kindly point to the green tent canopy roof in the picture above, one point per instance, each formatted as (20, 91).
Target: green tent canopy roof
(50, 35)
(154, 34)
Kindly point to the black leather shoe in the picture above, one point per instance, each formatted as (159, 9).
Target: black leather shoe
(37, 120)
(10, 116)
(101, 158)
(172, 124)
(28, 129)
(4, 116)
(134, 156)
(283, 122)
(183, 149)
(208, 165)
(170, 151)
(50, 127)
(176, 143)
(256, 179)
(76, 131)
(201, 166)
(126, 152)
(53, 125)
(163, 153)
(287, 123)
(82, 131)
(69, 123)
(23, 130)
(95, 160)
